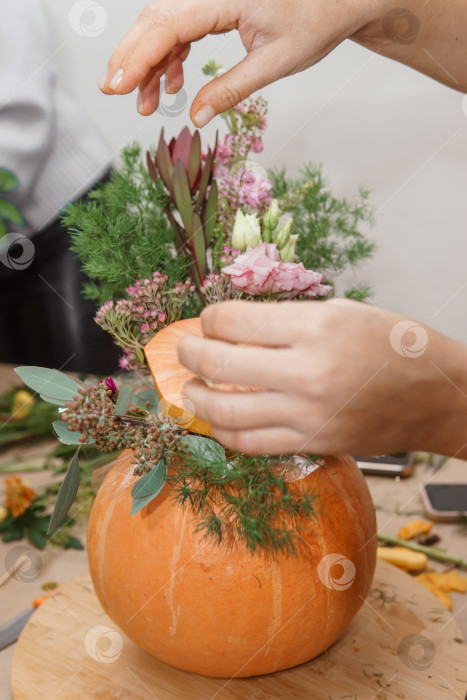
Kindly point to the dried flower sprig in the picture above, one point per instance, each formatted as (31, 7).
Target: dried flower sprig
(151, 436)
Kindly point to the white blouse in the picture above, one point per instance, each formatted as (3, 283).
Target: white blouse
(45, 138)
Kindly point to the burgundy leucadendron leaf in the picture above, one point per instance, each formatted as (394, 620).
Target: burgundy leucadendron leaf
(205, 180)
(181, 148)
(164, 164)
(194, 163)
(199, 245)
(210, 213)
(182, 196)
(151, 167)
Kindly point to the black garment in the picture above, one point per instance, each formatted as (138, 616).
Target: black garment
(44, 320)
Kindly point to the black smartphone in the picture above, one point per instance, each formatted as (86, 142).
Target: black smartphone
(400, 464)
(445, 501)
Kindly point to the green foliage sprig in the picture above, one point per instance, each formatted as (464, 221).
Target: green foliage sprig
(242, 498)
(328, 227)
(122, 233)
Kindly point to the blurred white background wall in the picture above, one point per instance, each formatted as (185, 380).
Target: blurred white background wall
(369, 121)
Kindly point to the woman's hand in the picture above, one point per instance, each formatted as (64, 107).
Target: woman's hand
(337, 377)
(281, 38)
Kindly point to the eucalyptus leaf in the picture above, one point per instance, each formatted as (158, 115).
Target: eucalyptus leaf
(143, 397)
(68, 437)
(49, 382)
(57, 402)
(123, 401)
(204, 450)
(67, 493)
(10, 212)
(8, 180)
(148, 487)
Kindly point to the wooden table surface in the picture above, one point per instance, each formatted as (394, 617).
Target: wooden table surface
(396, 501)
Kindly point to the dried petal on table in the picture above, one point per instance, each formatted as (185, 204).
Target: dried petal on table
(403, 558)
(416, 527)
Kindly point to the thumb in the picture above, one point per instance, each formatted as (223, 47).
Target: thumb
(258, 69)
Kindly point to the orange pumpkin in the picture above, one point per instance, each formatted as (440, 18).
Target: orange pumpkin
(219, 610)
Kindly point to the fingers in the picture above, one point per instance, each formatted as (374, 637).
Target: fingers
(226, 363)
(258, 69)
(149, 88)
(263, 441)
(117, 59)
(160, 28)
(174, 76)
(252, 322)
(148, 99)
(231, 410)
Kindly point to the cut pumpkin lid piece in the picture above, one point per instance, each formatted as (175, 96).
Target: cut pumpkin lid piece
(170, 375)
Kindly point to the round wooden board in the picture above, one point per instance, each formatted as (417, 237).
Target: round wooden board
(402, 644)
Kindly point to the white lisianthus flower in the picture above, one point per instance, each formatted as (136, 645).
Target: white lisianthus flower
(287, 253)
(271, 219)
(282, 235)
(246, 231)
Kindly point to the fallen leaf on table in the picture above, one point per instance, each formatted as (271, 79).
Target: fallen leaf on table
(441, 584)
(416, 527)
(403, 558)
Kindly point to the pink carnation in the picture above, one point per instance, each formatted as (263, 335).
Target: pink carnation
(260, 271)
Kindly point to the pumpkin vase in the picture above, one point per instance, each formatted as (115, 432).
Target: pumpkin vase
(218, 609)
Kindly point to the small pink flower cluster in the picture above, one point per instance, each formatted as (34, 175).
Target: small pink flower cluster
(133, 322)
(260, 272)
(238, 183)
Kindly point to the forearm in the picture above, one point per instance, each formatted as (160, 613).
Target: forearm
(428, 36)
(443, 398)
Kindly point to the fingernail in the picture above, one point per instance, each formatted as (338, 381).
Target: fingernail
(103, 79)
(204, 115)
(116, 79)
(140, 102)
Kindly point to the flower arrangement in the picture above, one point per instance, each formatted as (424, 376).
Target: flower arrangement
(159, 241)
